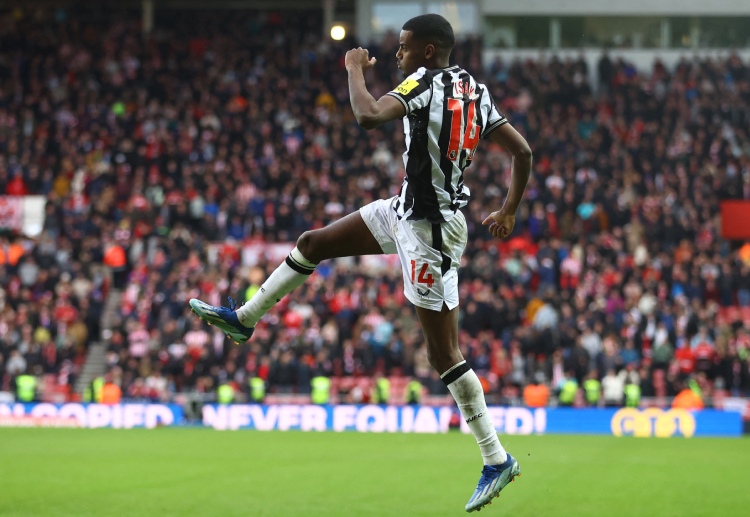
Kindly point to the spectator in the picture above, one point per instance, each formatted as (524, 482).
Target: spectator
(536, 394)
(111, 392)
(613, 388)
(186, 185)
(16, 364)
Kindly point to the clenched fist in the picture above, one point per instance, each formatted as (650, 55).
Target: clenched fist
(360, 58)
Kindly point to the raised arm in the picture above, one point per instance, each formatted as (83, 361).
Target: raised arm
(370, 113)
(501, 223)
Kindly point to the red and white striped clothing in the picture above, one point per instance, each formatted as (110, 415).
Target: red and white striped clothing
(196, 338)
(138, 343)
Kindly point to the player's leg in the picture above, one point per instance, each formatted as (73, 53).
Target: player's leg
(440, 329)
(430, 255)
(349, 236)
(441, 332)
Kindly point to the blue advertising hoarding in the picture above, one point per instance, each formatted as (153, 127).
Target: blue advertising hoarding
(372, 418)
(119, 416)
(662, 423)
(369, 418)
(507, 420)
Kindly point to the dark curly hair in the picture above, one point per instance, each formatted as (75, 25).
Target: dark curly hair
(432, 28)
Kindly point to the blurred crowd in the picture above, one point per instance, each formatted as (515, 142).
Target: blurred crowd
(195, 150)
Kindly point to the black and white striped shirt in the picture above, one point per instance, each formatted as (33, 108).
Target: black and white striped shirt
(447, 111)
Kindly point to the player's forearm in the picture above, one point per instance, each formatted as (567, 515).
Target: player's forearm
(520, 172)
(364, 105)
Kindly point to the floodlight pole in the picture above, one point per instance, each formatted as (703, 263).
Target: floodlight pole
(147, 16)
(329, 12)
(666, 33)
(555, 33)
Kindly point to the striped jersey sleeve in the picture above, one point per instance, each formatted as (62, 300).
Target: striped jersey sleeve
(491, 114)
(414, 92)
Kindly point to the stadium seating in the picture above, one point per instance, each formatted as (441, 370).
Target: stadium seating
(207, 149)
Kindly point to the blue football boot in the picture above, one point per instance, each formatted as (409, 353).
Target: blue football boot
(494, 479)
(223, 317)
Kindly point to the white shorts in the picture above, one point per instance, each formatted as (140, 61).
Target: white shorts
(430, 253)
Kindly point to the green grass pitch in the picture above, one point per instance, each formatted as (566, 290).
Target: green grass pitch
(202, 472)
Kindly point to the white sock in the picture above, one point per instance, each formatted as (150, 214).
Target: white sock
(290, 274)
(465, 387)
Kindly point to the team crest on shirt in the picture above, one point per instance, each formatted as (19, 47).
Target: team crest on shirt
(407, 86)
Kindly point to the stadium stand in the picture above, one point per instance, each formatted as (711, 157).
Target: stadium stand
(203, 150)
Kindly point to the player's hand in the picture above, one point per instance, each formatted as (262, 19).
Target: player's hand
(360, 58)
(500, 224)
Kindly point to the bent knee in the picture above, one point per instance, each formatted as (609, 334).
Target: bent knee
(309, 245)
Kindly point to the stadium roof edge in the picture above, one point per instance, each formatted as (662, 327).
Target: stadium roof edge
(630, 8)
(341, 5)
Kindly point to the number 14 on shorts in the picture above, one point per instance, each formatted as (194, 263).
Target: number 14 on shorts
(424, 277)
